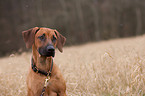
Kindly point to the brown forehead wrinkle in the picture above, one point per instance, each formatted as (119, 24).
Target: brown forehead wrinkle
(47, 31)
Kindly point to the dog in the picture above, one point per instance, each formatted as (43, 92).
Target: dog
(44, 77)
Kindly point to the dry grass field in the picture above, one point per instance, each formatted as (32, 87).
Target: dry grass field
(106, 68)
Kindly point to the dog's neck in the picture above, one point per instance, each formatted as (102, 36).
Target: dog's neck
(43, 63)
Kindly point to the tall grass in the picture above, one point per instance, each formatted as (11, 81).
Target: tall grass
(107, 68)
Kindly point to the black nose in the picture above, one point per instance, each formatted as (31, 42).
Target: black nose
(50, 48)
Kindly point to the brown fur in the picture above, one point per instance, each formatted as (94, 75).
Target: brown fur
(35, 81)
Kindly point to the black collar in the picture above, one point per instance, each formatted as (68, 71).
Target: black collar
(35, 69)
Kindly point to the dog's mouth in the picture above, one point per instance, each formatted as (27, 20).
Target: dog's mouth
(46, 52)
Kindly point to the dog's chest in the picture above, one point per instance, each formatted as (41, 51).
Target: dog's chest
(35, 82)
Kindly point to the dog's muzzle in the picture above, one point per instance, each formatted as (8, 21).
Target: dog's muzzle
(47, 51)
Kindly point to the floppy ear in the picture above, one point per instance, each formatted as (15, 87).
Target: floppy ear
(29, 36)
(60, 41)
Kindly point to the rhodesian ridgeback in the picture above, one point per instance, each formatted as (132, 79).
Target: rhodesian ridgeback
(44, 77)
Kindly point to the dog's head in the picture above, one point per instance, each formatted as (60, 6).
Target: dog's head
(44, 39)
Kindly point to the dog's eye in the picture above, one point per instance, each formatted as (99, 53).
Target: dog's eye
(42, 37)
(53, 39)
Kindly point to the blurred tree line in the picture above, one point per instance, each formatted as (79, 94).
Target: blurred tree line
(78, 20)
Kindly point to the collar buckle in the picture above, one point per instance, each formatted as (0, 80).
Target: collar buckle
(35, 69)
